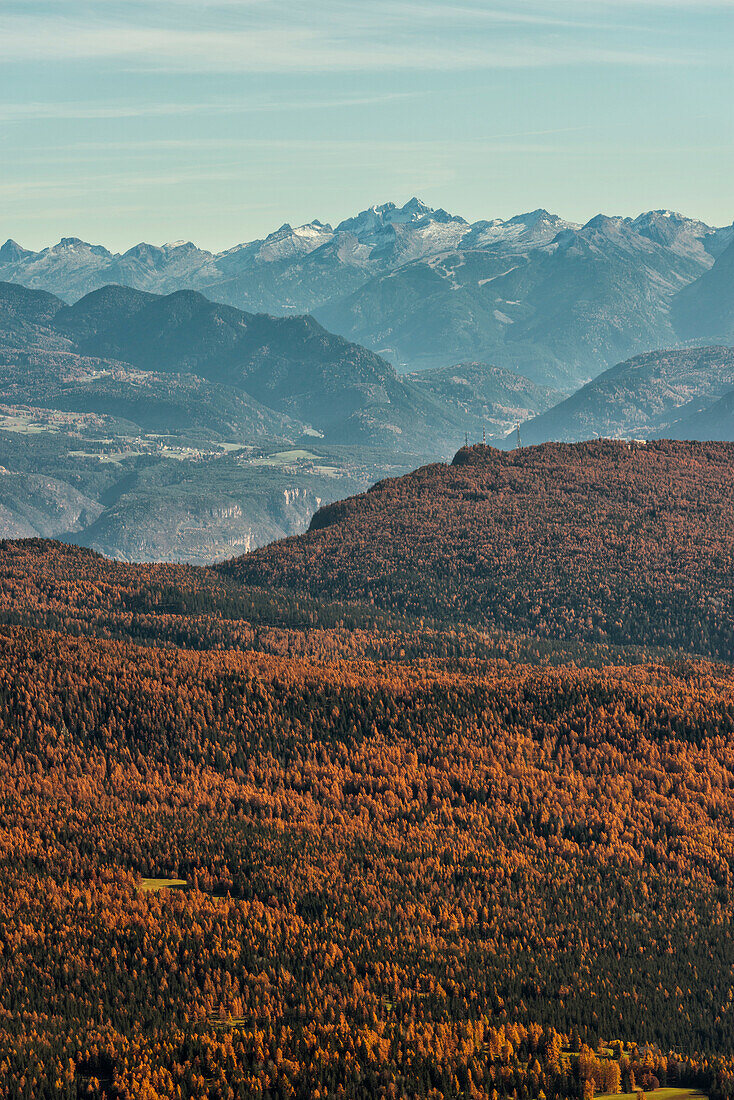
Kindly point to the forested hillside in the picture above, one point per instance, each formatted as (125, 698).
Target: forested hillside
(433, 801)
(662, 394)
(289, 849)
(605, 541)
(344, 756)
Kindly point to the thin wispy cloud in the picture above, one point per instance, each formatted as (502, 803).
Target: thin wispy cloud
(296, 29)
(308, 149)
(292, 36)
(421, 7)
(25, 112)
(298, 50)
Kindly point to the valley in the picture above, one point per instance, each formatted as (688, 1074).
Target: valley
(170, 428)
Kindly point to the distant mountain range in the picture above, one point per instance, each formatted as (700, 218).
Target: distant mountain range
(285, 376)
(145, 414)
(559, 311)
(553, 300)
(153, 427)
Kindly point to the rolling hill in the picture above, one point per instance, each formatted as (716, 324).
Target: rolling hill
(620, 542)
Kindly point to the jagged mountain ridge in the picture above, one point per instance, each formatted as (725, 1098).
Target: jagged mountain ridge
(370, 241)
(426, 288)
(560, 312)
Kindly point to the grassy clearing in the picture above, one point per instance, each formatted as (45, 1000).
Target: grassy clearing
(659, 1094)
(284, 458)
(30, 420)
(154, 885)
(28, 423)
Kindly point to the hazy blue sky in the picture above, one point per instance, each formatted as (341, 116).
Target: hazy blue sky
(217, 120)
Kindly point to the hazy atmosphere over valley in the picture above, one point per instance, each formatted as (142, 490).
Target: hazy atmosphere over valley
(366, 550)
(263, 154)
(169, 403)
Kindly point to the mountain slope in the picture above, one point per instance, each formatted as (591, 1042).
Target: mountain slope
(27, 317)
(713, 421)
(32, 504)
(157, 427)
(68, 269)
(559, 313)
(167, 403)
(554, 300)
(484, 398)
(640, 398)
(290, 364)
(705, 309)
(606, 541)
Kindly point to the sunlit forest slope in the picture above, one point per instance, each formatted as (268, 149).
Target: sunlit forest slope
(606, 541)
(260, 842)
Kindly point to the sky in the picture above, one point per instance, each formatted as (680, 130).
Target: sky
(217, 121)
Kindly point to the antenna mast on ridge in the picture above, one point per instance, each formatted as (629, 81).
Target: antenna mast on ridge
(484, 437)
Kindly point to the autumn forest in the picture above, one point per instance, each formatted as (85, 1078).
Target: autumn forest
(435, 800)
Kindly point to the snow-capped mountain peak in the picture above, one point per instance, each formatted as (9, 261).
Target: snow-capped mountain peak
(287, 242)
(531, 230)
(314, 267)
